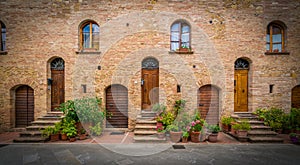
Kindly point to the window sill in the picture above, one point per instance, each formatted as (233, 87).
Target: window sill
(3, 52)
(181, 52)
(88, 52)
(277, 53)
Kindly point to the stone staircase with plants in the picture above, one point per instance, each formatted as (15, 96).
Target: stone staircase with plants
(33, 133)
(259, 132)
(145, 128)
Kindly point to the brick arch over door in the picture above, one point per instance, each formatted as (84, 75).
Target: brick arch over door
(208, 103)
(24, 105)
(296, 97)
(117, 106)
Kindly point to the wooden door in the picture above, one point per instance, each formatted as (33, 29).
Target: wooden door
(57, 88)
(117, 106)
(208, 104)
(24, 106)
(296, 97)
(150, 91)
(241, 90)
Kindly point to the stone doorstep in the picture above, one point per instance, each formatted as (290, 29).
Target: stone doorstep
(265, 140)
(31, 134)
(145, 122)
(44, 122)
(30, 140)
(49, 118)
(260, 133)
(260, 127)
(149, 139)
(36, 128)
(144, 132)
(145, 127)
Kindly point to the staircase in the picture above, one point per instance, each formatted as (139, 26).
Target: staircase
(33, 133)
(145, 128)
(259, 133)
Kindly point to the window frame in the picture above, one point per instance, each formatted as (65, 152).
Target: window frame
(90, 23)
(180, 23)
(2, 41)
(271, 43)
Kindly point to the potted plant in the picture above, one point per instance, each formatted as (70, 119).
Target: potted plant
(70, 130)
(196, 127)
(185, 136)
(82, 134)
(52, 132)
(226, 121)
(214, 129)
(161, 133)
(175, 133)
(96, 130)
(294, 137)
(242, 128)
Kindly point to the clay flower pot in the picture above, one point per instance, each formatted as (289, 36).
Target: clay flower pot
(213, 137)
(195, 136)
(175, 136)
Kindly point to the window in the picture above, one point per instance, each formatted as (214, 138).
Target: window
(3, 36)
(180, 36)
(276, 37)
(89, 36)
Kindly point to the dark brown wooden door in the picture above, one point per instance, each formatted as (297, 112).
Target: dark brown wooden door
(208, 104)
(117, 106)
(296, 97)
(150, 91)
(57, 88)
(241, 90)
(24, 106)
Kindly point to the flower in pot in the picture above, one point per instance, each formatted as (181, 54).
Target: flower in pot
(196, 127)
(294, 137)
(242, 128)
(214, 129)
(185, 136)
(175, 133)
(161, 132)
(226, 121)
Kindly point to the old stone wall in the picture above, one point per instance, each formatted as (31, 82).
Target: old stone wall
(221, 32)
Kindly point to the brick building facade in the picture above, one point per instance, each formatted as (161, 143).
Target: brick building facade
(241, 55)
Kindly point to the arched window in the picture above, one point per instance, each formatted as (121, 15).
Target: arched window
(276, 37)
(2, 37)
(180, 35)
(89, 35)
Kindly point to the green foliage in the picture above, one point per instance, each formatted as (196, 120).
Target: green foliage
(66, 124)
(167, 118)
(68, 108)
(226, 120)
(260, 112)
(89, 111)
(293, 134)
(243, 125)
(172, 127)
(185, 134)
(179, 106)
(161, 129)
(214, 128)
(96, 130)
(159, 108)
(52, 130)
(274, 117)
(183, 120)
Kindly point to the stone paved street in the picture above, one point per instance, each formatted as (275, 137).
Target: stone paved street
(152, 154)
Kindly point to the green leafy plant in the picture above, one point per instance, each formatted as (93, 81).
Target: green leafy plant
(214, 128)
(161, 129)
(226, 120)
(293, 135)
(96, 130)
(243, 125)
(68, 108)
(179, 106)
(196, 123)
(185, 134)
(159, 108)
(172, 127)
(167, 118)
(50, 130)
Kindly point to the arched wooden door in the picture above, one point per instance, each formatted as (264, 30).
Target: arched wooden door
(24, 106)
(117, 106)
(208, 103)
(241, 68)
(150, 83)
(58, 83)
(296, 97)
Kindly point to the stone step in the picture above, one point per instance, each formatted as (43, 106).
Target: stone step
(139, 117)
(30, 140)
(44, 122)
(145, 127)
(148, 114)
(265, 140)
(261, 133)
(145, 122)
(36, 128)
(47, 118)
(54, 113)
(144, 132)
(260, 127)
(31, 134)
(149, 139)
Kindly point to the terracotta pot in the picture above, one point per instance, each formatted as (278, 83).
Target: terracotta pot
(63, 136)
(82, 136)
(242, 133)
(54, 137)
(213, 137)
(72, 139)
(175, 136)
(161, 135)
(159, 125)
(184, 139)
(195, 136)
(225, 128)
